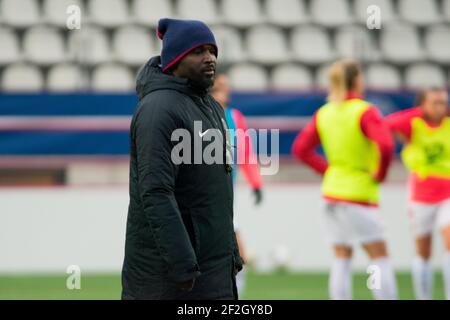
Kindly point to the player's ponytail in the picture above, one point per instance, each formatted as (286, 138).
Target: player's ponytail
(342, 76)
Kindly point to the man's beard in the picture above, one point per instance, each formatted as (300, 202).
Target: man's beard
(203, 83)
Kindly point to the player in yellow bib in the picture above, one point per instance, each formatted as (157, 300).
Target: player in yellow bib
(358, 148)
(425, 131)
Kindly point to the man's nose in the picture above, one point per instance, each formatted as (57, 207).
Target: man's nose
(210, 57)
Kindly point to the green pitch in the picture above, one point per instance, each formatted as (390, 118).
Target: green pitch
(276, 285)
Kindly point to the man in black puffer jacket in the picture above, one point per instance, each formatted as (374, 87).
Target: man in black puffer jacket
(180, 242)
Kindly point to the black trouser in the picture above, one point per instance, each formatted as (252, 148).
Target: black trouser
(214, 284)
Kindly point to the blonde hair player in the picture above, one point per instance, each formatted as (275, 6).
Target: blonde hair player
(425, 131)
(358, 148)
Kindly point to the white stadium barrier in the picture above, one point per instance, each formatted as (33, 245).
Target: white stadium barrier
(48, 229)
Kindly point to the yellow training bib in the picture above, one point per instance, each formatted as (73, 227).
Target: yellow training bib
(353, 158)
(428, 153)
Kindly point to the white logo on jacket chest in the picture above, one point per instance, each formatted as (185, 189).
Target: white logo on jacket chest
(201, 134)
(212, 146)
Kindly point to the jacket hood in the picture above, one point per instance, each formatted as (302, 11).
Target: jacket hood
(151, 78)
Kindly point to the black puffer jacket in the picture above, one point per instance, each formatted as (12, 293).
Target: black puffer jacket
(180, 217)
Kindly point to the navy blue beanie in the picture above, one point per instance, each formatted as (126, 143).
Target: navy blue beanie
(179, 37)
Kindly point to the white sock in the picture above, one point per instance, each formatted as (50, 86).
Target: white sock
(240, 282)
(446, 274)
(422, 274)
(387, 289)
(340, 281)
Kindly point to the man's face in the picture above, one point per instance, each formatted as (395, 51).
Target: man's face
(435, 105)
(199, 66)
(221, 90)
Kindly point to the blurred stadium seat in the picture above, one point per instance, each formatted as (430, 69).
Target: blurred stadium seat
(148, 13)
(10, 52)
(22, 77)
(20, 13)
(112, 77)
(65, 78)
(400, 44)
(355, 42)
(267, 45)
(321, 76)
(291, 77)
(108, 13)
(133, 45)
(291, 13)
(204, 10)
(383, 76)
(419, 12)
(242, 13)
(89, 45)
(331, 13)
(424, 75)
(44, 46)
(446, 10)
(437, 43)
(312, 45)
(261, 32)
(248, 76)
(230, 44)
